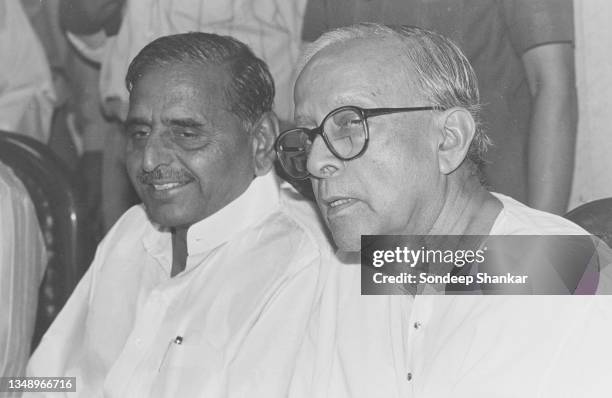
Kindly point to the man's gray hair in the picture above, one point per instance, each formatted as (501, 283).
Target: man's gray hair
(443, 72)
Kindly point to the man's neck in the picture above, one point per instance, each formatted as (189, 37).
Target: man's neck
(468, 209)
(179, 250)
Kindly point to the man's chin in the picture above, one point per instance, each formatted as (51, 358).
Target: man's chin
(347, 242)
(347, 234)
(167, 219)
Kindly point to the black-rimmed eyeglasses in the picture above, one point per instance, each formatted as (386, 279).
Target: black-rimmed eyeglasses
(344, 130)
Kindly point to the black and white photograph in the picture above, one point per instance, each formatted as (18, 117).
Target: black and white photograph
(305, 198)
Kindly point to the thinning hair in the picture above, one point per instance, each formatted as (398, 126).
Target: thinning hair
(250, 91)
(443, 73)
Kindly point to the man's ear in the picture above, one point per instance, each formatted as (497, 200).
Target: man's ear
(458, 128)
(264, 134)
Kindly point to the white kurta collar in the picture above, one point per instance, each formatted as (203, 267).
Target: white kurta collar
(259, 199)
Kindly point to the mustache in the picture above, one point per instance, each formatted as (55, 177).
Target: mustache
(164, 174)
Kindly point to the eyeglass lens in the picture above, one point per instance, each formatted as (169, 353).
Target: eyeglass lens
(293, 153)
(345, 133)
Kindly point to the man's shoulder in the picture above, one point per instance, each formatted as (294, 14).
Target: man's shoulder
(130, 229)
(295, 230)
(519, 219)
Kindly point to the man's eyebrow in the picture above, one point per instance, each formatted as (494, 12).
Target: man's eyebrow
(348, 99)
(184, 122)
(132, 121)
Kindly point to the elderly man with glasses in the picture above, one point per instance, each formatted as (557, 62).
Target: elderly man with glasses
(390, 138)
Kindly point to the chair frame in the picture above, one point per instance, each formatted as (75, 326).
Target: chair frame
(51, 187)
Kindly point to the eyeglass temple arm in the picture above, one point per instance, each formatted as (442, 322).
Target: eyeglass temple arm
(385, 111)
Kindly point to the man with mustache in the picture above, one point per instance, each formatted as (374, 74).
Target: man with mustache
(206, 288)
(389, 137)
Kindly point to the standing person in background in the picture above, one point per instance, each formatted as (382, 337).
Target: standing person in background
(270, 27)
(522, 52)
(27, 95)
(78, 126)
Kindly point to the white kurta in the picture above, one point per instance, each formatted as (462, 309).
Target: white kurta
(458, 346)
(229, 325)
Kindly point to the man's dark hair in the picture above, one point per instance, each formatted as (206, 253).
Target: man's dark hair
(250, 91)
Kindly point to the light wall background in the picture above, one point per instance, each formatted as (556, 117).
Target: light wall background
(593, 170)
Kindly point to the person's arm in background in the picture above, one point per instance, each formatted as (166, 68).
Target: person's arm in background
(542, 31)
(552, 135)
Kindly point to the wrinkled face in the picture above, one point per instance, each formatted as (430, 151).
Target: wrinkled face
(393, 187)
(187, 155)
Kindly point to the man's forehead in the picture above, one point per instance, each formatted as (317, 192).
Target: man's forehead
(359, 69)
(364, 53)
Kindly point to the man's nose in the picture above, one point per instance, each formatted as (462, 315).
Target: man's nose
(321, 162)
(156, 152)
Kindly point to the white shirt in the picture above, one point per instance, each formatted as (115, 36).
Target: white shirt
(27, 94)
(271, 28)
(240, 307)
(458, 346)
(22, 265)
